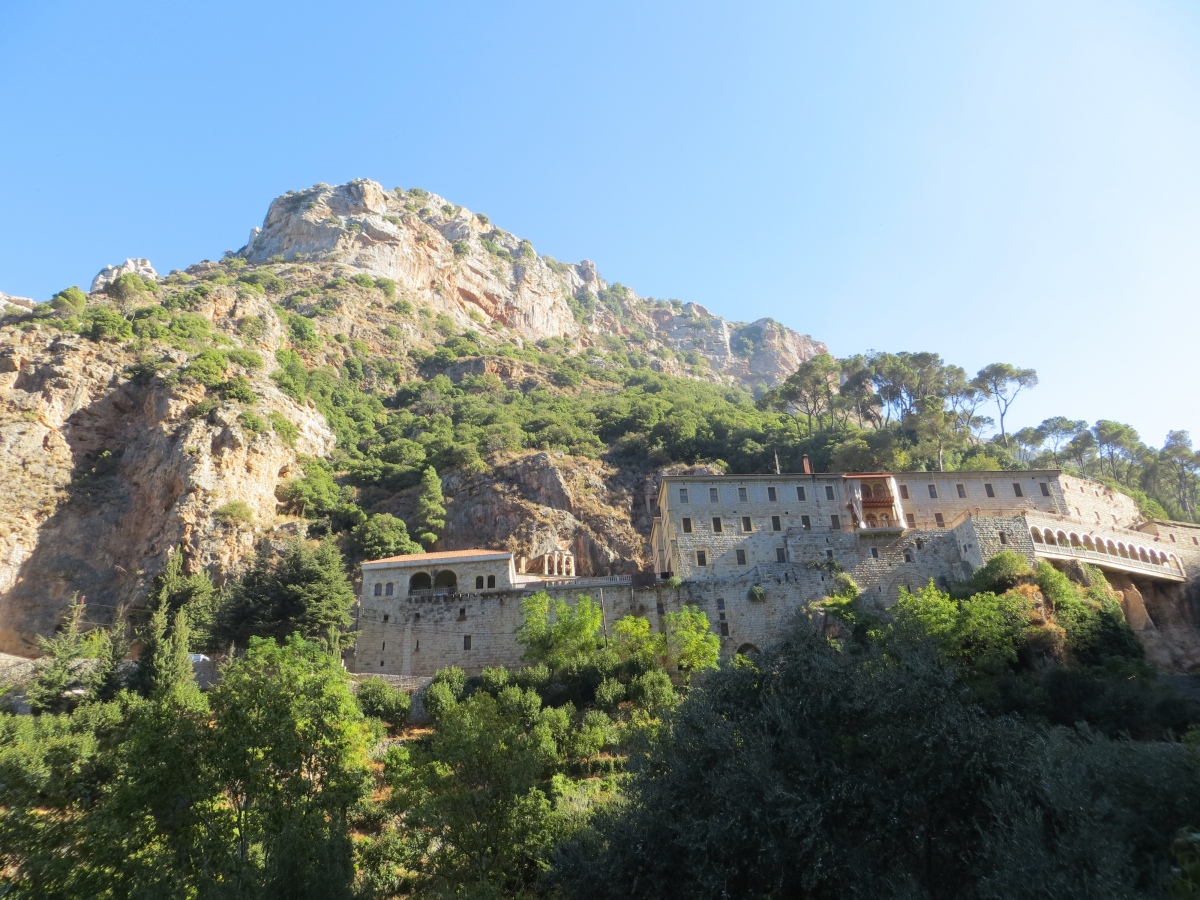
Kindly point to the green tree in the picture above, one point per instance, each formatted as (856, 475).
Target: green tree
(380, 700)
(558, 634)
(690, 644)
(382, 535)
(60, 666)
(471, 797)
(69, 300)
(431, 507)
(289, 753)
(1002, 383)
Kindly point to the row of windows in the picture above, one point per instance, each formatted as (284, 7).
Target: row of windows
(702, 560)
(718, 524)
(989, 489)
(714, 494)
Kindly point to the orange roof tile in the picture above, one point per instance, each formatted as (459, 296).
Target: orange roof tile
(437, 557)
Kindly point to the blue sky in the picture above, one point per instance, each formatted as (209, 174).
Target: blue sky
(1012, 181)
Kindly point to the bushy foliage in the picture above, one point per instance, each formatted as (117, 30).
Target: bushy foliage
(380, 700)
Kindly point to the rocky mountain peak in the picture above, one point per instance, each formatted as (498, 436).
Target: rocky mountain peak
(459, 263)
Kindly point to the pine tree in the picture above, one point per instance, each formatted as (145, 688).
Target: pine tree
(57, 669)
(431, 507)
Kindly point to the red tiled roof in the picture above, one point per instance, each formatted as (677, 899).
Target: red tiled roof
(437, 557)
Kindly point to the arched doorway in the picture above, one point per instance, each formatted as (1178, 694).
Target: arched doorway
(746, 649)
(419, 582)
(445, 579)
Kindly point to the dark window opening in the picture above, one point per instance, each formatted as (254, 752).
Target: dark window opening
(911, 520)
(742, 496)
(378, 590)
(687, 526)
(390, 589)
(491, 581)
(746, 524)
(835, 522)
(741, 557)
(962, 490)
(701, 558)
(989, 490)
(776, 524)
(829, 492)
(874, 553)
(908, 557)
(720, 603)
(805, 523)
(714, 496)
(683, 495)
(466, 642)
(799, 493)
(724, 629)
(716, 524)
(941, 522)
(828, 555)
(385, 617)
(933, 492)
(1003, 538)
(1017, 492)
(462, 612)
(660, 609)
(478, 582)
(1045, 488)
(780, 554)
(904, 492)
(772, 495)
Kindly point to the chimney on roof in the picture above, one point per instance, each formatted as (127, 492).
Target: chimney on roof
(806, 465)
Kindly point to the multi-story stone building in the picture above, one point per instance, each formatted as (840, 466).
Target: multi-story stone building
(754, 550)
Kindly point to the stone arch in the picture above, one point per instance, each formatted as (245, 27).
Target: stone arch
(445, 578)
(1143, 555)
(420, 582)
(389, 589)
(746, 649)
(1122, 550)
(1074, 539)
(1063, 540)
(1088, 544)
(1049, 537)
(1036, 535)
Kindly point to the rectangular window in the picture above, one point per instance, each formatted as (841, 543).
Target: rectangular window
(742, 496)
(835, 522)
(741, 557)
(1045, 488)
(746, 524)
(714, 496)
(1017, 492)
(683, 495)
(962, 490)
(1003, 538)
(724, 629)
(660, 609)
(780, 555)
(384, 647)
(829, 492)
(828, 555)
(941, 523)
(989, 490)
(933, 492)
(904, 492)
(418, 647)
(466, 642)
(701, 558)
(385, 617)
(874, 553)
(908, 556)
(805, 523)
(772, 495)
(721, 616)
(720, 603)
(687, 526)
(800, 493)
(776, 524)
(716, 524)
(911, 520)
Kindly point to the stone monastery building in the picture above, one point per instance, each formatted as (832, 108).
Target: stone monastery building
(724, 536)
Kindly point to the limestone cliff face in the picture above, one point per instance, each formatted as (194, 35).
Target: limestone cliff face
(448, 258)
(1166, 619)
(105, 474)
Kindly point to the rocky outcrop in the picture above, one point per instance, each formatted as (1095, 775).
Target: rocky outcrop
(11, 304)
(447, 258)
(1166, 619)
(105, 474)
(109, 274)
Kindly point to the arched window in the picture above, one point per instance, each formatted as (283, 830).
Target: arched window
(419, 582)
(1036, 535)
(491, 581)
(872, 522)
(378, 589)
(445, 579)
(390, 589)
(885, 521)
(479, 582)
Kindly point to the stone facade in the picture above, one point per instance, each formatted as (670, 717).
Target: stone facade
(754, 552)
